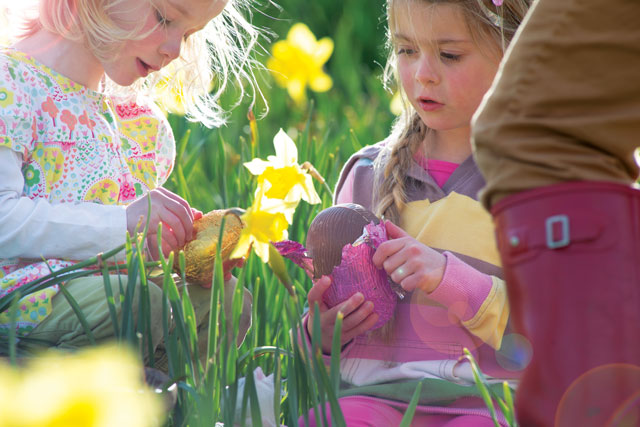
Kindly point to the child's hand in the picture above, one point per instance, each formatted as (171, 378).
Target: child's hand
(175, 214)
(408, 262)
(358, 315)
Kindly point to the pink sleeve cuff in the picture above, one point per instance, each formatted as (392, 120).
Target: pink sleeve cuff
(463, 289)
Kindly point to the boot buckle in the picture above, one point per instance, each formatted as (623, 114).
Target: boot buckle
(552, 242)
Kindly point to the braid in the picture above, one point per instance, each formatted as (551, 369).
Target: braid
(390, 185)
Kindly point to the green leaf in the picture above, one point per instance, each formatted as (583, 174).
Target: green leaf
(411, 409)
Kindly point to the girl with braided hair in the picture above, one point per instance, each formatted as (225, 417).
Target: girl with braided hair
(424, 182)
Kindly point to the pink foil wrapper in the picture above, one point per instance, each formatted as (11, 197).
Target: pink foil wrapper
(356, 272)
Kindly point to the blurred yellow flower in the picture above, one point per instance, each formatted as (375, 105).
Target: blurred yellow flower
(168, 91)
(100, 387)
(397, 104)
(169, 95)
(265, 221)
(297, 62)
(281, 174)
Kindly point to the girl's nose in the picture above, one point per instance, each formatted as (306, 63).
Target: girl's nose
(171, 47)
(427, 70)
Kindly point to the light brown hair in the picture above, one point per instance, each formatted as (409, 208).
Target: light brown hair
(490, 26)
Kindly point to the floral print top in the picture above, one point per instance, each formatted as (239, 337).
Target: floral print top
(77, 146)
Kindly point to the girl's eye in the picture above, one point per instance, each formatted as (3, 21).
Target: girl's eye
(405, 51)
(161, 19)
(451, 57)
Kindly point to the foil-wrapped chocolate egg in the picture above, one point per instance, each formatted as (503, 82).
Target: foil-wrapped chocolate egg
(331, 230)
(341, 241)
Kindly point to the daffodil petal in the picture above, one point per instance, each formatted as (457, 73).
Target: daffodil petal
(286, 149)
(300, 35)
(279, 72)
(297, 62)
(283, 51)
(321, 82)
(323, 50)
(262, 250)
(296, 91)
(257, 166)
(242, 247)
(311, 195)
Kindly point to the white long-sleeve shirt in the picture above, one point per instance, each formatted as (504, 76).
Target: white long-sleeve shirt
(71, 159)
(36, 228)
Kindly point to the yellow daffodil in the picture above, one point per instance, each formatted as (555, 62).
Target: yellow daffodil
(283, 177)
(265, 221)
(100, 387)
(297, 62)
(397, 104)
(169, 95)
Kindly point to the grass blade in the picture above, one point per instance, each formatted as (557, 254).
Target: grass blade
(78, 311)
(13, 317)
(411, 409)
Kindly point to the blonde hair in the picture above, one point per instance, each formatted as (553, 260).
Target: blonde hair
(489, 25)
(229, 40)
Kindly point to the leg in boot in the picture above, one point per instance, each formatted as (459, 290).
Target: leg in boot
(571, 258)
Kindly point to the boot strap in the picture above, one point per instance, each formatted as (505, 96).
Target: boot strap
(552, 232)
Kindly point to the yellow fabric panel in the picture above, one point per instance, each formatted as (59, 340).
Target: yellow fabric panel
(456, 223)
(491, 319)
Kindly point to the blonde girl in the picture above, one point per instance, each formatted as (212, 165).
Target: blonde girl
(82, 142)
(424, 181)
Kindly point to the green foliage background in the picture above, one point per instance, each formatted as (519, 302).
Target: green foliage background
(333, 125)
(355, 112)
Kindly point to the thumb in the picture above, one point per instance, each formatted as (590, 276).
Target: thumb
(196, 214)
(393, 231)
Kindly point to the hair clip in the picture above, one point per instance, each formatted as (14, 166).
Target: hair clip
(489, 14)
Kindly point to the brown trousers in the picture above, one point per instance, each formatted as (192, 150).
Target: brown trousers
(566, 103)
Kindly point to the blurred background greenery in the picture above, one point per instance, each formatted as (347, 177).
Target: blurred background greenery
(353, 113)
(327, 129)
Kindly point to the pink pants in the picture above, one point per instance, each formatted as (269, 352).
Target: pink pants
(362, 411)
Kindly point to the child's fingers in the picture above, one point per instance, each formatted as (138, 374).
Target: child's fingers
(175, 211)
(385, 250)
(415, 280)
(175, 215)
(398, 269)
(393, 231)
(363, 327)
(152, 246)
(169, 237)
(197, 214)
(354, 319)
(349, 306)
(173, 196)
(229, 265)
(317, 290)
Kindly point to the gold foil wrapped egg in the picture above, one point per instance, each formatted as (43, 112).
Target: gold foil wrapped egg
(200, 253)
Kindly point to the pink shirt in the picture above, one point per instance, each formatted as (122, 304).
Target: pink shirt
(439, 170)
